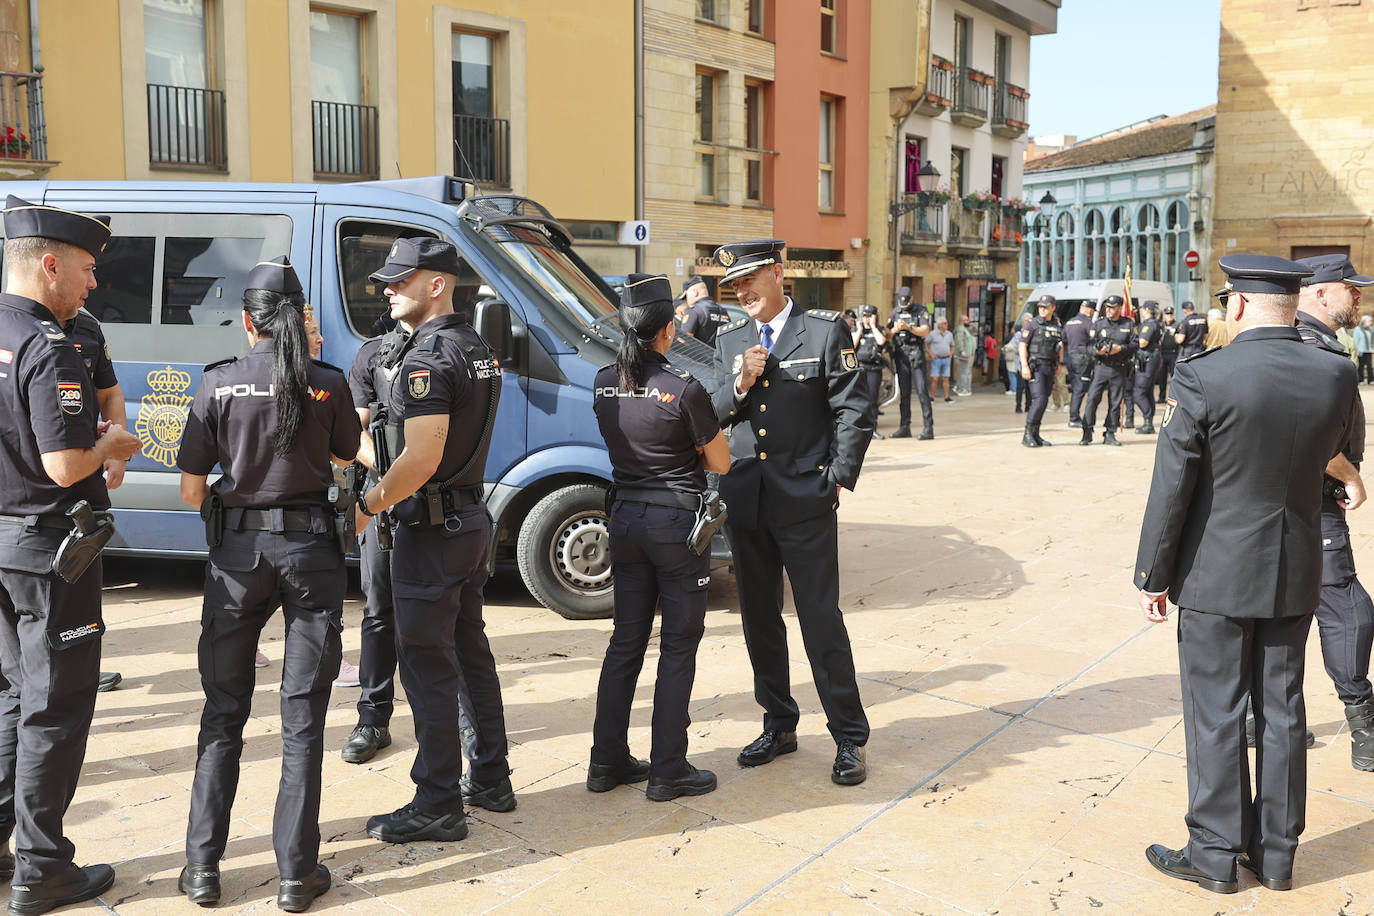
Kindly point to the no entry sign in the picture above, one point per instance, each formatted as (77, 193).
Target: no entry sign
(1192, 259)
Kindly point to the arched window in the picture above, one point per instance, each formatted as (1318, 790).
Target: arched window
(1177, 241)
(1094, 248)
(1145, 262)
(1119, 241)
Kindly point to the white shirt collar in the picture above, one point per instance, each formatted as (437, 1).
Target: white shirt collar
(778, 321)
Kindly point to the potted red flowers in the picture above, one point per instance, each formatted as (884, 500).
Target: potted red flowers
(14, 144)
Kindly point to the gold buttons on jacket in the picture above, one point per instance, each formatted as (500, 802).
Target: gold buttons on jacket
(763, 432)
(763, 408)
(765, 383)
(801, 376)
(763, 456)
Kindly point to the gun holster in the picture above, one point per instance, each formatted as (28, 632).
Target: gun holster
(212, 512)
(711, 516)
(78, 550)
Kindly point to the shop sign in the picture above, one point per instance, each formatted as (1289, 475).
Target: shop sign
(977, 268)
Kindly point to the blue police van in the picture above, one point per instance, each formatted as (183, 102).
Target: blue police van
(170, 293)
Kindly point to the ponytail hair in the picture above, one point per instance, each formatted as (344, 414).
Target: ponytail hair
(646, 307)
(281, 316)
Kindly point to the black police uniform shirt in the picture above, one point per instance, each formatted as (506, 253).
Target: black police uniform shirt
(47, 404)
(232, 421)
(360, 383)
(1076, 333)
(653, 432)
(920, 318)
(1121, 332)
(1194, 330)
(439, 377)
(1167, 343)
(1042, 339)
(85, 334)
(1315, 332)
(704, 320)
(1149, 331)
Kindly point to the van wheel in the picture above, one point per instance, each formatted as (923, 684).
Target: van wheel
(564, 553)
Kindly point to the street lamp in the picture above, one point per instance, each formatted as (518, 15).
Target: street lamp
(902, 207)
(1047, 204)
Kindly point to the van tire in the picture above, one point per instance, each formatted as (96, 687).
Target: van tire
(563, 552)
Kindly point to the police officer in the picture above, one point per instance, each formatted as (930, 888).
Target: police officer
(1329, 302)
(50, 621)
(1078, 358)
(444, 401)
(704, 316)
(272, 421)
(1168, 351)
(1041, 343)
(1147, 364)
(1191, 335)
(663, 436)
(1114, 342)
(788, 384)
(869, 343)
(908, 328)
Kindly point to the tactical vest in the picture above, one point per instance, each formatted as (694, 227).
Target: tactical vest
(869, 351)
(383, 366)
(717, 319)
(1045, 342)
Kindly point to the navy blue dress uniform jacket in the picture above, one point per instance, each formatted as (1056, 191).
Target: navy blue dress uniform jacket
(804, 425)
(1232, 525)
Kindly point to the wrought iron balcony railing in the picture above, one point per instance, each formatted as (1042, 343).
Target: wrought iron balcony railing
(23, 130)
(481, 149)
(186, 127)
(345, 139)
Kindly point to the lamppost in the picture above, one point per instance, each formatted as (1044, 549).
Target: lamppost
(895, 212)
(1047, 204)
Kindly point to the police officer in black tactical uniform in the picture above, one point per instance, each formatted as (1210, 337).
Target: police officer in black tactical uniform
(1042, 341)
(272, 421)
(53, 448)
(1329, 301)
(908, 328)
(1168, 351)
(1191, 335)
(1114, 342)
(788, 385)
(1078, 358)
(1147, 363)
(869, 343)
(704, 317)
(444, 402)
(663, 436)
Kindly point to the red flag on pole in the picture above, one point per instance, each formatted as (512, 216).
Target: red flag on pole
(1127, 309)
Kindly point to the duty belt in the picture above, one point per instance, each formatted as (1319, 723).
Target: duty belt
(276, 519)
(54, 520)
(673, 499)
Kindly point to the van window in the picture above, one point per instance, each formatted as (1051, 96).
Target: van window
(203, 279)
(124, 281)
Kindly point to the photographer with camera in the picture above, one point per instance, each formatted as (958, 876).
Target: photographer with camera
(1114, 342)
(910, 326)
(869, 344)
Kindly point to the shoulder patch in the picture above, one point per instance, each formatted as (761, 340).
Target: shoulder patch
(734, 326)
(1188, 359)
(824, 314)
(222, 362)
(679, 372)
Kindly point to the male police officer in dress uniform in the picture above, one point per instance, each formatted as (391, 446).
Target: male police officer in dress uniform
(909, 326)
(869, 342)
(1330, 301)
(1232, 535)
(1191, 335)
(704, 317)
(1168, 351)
(445, 397)
(54, 449)
(1041, 342)
(1147, 363)
(789, 384)
(1078, 357)
(1115, 343)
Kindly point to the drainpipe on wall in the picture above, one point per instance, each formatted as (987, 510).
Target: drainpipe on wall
(35, 59)
(899, 115)
(639, 126)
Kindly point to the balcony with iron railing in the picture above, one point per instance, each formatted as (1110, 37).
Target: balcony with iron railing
(345, 140)
(922, 225)
(1009, 110)
(23, 129)
(1007, 229)
(186, 128)
(967, 228)
(938, 95)
(970, 108)
(481, 150)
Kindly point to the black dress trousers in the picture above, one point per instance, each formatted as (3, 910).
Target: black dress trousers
(1112, 380)
(1076, 365)
(1041, 384)
(1345, 614)
(911, 378)
(1143, 388)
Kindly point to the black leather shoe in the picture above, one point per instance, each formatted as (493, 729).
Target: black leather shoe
(1175, 864)
(926, 435)
(365, 742)
(766, 746)
(1309, 740)
(200, 883)
(1109, 438)
(296, 895)
(849, 768)
(71, 886)
(603, 777)
(109, 680)
(1147, 430)
(693, 782)
(1028, 439)
(498, 796)
(1087, 437)
(1274, 884)
(903, 432)
(1075, 424)
(409, 824)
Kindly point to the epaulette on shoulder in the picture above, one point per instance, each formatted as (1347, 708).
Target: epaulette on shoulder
(824, 314)
(735, 326)
(324, 365)
(1187, 359)
(222, 362)
(680, 372)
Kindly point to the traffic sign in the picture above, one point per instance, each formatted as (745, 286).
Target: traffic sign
(634, 232)
(1192, 259)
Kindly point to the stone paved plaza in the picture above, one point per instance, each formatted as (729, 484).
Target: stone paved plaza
(1027, 735)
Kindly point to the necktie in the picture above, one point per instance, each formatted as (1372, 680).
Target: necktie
(766, 336)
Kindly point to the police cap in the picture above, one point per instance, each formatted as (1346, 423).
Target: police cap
(741, 258)
(691, 282)
(868, 310)
(275, 276)
(1168, 309)
(1112, 302)
(26, 220)
(646, 289)
(409, 255)
(1333, 268)
(1048, 300)
(1261, 273)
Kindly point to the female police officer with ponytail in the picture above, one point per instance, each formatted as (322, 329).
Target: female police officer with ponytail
(272, 421)
(663, 436)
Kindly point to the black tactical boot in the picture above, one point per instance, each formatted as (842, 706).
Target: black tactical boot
(903, 432)
(1361, 719)
(1036, 433)
(1087, 436)
(1147, 430)
(1109, 438)
(1028, 439)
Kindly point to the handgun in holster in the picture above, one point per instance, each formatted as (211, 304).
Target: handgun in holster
(382, 523)
(710, 517)
(78, 550)
(212, 513)
(343, 499)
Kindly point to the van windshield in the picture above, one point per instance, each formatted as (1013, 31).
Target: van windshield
(553, 271)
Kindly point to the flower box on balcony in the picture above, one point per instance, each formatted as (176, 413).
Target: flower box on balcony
(1019, 125)
(979, 76)
(1018, 91)
(940, 63)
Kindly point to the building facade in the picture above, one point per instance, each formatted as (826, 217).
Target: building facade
(1293, 171)
(948, 124)
(1143, 195)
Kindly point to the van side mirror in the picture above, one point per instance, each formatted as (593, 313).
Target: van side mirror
(492, 321)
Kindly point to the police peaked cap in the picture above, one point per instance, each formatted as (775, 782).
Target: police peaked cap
(275, 276)
(1047, 299)
(423, 253)
(1333, 268)
(1261, 273)
(741, 258)
(646, 289)
(25, 220)
(868, 310)
(1112, 301)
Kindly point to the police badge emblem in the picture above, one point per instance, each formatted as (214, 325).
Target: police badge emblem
(727, 257)
(1169, 406)
(737, 364)
(418, 383)
(851, 362)
(394, 248)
